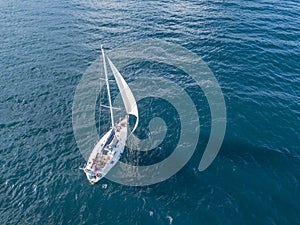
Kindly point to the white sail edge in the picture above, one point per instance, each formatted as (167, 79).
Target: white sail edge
(126, 94)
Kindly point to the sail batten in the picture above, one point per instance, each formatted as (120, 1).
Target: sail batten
(126, 94)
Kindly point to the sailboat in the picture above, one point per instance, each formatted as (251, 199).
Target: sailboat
(110, 147)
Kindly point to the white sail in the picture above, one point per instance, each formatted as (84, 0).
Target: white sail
(127, 96)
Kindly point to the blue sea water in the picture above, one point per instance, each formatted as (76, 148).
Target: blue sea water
(253, 49)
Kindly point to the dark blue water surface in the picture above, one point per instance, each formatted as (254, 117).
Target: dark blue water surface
(252, 47)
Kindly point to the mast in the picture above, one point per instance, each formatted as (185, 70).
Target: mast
(107, 86)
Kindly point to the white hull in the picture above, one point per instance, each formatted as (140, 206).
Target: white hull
(106, 153)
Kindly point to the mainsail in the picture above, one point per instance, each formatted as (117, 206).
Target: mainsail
(126, 94)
